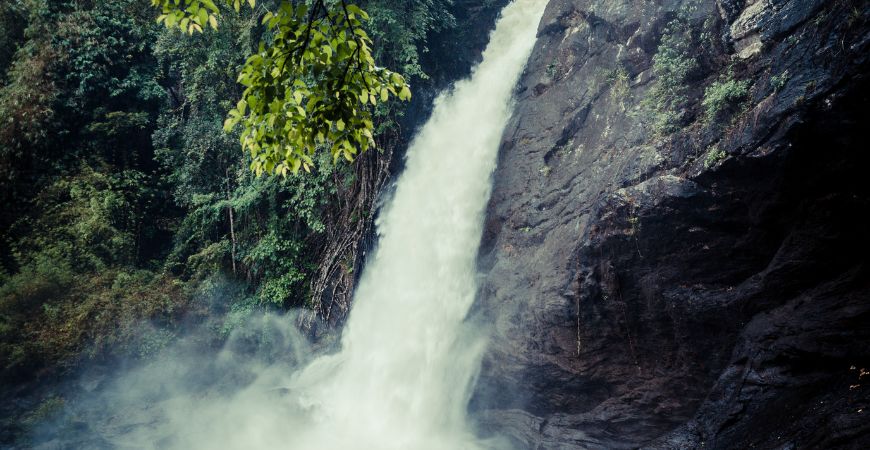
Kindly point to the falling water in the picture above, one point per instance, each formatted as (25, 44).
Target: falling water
(407, 363)
(408, 359)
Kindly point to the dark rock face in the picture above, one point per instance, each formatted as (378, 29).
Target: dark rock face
(705, 285)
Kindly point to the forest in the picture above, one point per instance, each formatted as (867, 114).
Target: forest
(125, 203)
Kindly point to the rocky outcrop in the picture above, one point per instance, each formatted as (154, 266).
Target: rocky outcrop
(674, 251)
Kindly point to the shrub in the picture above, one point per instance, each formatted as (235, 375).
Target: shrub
(672, 65)
(714, 156)
(778, 82)
(620, 83)
(51, 318)
(723, 95)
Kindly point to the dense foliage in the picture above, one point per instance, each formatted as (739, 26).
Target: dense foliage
(84, 206)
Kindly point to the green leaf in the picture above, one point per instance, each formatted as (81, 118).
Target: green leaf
(356, 10)
(405, 94)
(229, 124)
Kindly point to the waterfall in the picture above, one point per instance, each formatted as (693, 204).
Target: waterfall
(407, 362)
(408, 359)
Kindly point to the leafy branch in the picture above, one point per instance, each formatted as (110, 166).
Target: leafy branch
(311, 88)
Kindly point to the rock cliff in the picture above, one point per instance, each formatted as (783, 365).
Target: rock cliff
(675, 254)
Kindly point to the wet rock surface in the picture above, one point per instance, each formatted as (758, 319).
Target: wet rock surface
(705, 285)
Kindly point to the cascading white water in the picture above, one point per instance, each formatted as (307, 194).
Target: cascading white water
(407, 361)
